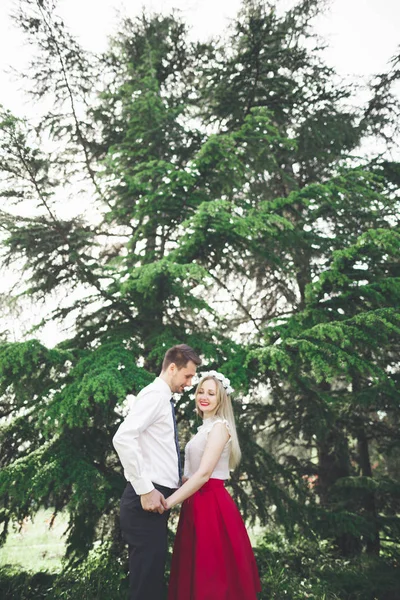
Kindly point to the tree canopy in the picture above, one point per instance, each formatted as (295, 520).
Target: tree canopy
(227, 204)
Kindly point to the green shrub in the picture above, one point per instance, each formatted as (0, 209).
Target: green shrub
(297, 570)
(304, 569)
(100, 577)
(16, 584)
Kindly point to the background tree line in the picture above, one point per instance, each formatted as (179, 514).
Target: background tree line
(233, 199)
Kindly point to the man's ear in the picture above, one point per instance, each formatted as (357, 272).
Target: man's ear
(172, 368)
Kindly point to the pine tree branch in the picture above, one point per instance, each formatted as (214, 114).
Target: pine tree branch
(243, 308)
(78, 129)
(87, 274)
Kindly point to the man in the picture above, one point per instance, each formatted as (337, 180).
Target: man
(147, 445)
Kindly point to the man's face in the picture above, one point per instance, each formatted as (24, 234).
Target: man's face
(182, 377)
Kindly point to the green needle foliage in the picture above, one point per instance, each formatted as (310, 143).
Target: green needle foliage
(222, 203)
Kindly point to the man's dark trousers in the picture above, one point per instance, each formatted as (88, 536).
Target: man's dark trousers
(146, 535)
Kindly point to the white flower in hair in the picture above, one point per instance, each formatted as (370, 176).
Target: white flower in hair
(224, 380)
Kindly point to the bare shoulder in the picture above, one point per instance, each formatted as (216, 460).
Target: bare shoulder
(219, 431)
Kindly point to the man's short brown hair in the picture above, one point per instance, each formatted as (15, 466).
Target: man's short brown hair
(180, 355)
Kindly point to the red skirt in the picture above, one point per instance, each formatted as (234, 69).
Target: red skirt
(213, 558)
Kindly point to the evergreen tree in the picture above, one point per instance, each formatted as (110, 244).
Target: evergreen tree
(230, 212)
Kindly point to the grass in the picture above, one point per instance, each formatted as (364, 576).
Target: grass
(256, 533)
(37, 547)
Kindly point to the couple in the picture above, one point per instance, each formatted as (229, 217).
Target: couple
(212, 558)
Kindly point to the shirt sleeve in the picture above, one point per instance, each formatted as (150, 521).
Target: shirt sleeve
(144, 411)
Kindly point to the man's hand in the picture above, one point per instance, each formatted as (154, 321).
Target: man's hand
(154, 501)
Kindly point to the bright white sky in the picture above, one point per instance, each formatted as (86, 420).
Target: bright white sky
(362, 34)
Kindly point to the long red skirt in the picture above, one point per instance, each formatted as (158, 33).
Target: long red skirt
(213, 558)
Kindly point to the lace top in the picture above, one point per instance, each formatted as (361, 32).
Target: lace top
(195, 449)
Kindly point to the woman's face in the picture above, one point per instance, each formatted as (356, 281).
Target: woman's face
(206, 398)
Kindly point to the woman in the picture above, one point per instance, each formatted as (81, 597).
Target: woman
(213, 558)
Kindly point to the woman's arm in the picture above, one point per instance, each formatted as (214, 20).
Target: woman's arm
(216, 441)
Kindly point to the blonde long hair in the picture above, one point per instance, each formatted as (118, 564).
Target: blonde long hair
(225, 411)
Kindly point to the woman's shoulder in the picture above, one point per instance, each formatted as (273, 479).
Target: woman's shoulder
(221, 422)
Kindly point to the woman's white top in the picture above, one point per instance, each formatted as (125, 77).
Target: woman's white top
(195, 449)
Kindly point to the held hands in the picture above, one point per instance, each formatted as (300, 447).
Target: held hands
(169, 501)
(154, 501)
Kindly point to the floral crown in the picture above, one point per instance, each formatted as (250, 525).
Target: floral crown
(224, 380)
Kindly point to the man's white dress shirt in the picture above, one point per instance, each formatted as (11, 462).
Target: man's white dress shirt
(145, 441)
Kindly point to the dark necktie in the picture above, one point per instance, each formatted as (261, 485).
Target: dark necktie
(176, 440)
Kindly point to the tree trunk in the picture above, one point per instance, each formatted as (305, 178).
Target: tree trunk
(334, 463)
(373, 543)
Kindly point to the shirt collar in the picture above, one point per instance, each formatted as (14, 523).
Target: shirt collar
(163, 386)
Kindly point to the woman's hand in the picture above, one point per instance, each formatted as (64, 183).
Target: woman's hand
(168, 504)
